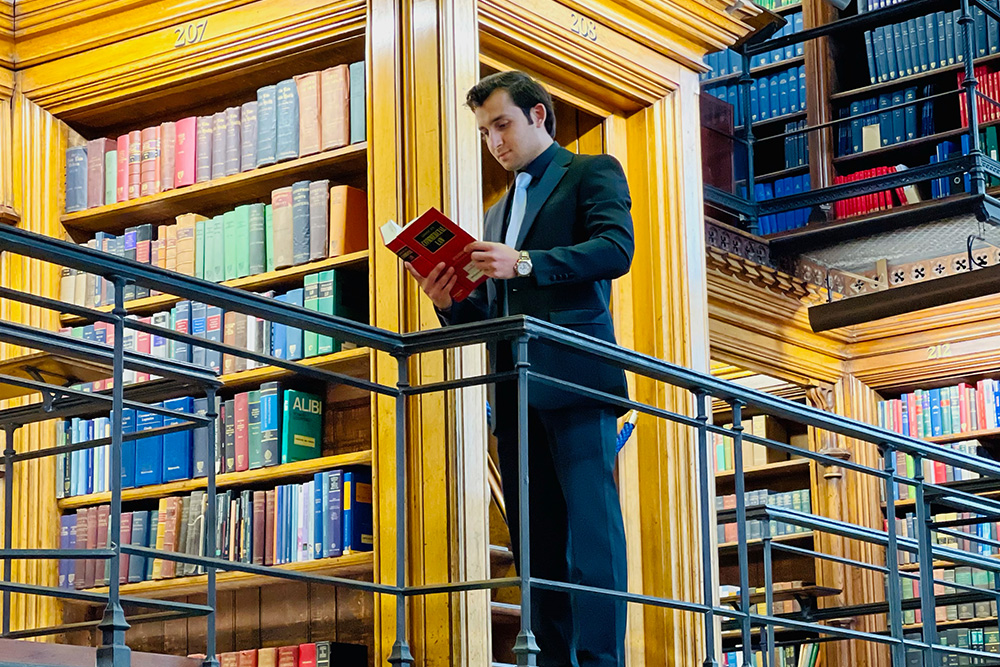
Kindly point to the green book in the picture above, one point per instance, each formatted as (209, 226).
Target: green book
(302, 426)
(956, 410)
(268, 238)
(981, 579)
(258, 251)
(199, 248)
(310, 300)
(963, 575)
(326, 344)
(992, 638)
(230, 227)
(255, 450)
(214, 250)
(243, 241)
(992, 149)
(111, 177)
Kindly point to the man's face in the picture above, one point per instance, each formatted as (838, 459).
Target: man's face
(512, 139)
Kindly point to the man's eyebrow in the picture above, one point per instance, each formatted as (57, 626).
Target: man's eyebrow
(493, 120)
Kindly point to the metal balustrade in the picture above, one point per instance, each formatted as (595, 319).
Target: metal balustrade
(756, 630)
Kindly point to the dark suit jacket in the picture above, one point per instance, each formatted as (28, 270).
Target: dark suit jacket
(577, 229)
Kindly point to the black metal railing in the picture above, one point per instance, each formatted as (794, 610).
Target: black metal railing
(755, 630)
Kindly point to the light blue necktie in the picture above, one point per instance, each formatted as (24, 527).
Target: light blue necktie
(517, 208)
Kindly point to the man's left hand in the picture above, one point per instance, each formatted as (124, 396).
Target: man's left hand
(496, 260)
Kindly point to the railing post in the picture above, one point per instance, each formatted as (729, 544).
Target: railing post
(400, 654)
(767, 630)
(113, 651)
(525, 647)
(212, 458)
(745, 81)
(707, 542)
(926, 560)
(976, 175)
(8, 517)
(741, 532)
(894, 591)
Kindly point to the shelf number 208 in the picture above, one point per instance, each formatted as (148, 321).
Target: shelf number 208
(583, 26)
(940, 351)
(192, 33)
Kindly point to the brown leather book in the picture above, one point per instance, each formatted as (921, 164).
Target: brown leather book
(319, 219)
(229, 338)
(241, 342)
(335, 96)
(125, 537)
(205, 129)
(168, 148)
(281, 213)
(159, 538)
(247, 658)
(219, 144)
(134, 163)
(80, 566)
(267, 657)
(121, 185)
(259, 526)
(92, 543)
(269, 507)
(288, 656)
(149, 184)
(103, 514)
(96, 149)
(240, 421)
(348, 220)
(170, 530)
(308, 86)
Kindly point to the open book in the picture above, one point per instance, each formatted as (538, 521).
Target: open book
(433, 238)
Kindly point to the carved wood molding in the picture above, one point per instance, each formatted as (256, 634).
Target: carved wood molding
(7, 34)
(763, 276)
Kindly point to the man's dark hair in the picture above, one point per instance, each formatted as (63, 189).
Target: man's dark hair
(523, 90)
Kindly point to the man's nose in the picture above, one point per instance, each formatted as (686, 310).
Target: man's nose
(496, 139)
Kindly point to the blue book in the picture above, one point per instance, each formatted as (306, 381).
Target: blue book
(920, 28)
(797, 27)
(891, 52)
(966, 177)
(932, 41)
(731, 97)
(139, 538)
(898, 124)
(906, 418)
(76, 179)
(271, 405)
(149, 451)
(856, 125)
(213, 332)
(910, 114)
(870, 52)
(885, 120)
(89, 435)
(949, 36)
(293, 336)
(267, 125)
(764, 98)
(358, 509)
(278, 333)
(784, 99)
(300, 219)
(198, 329)
(903, 42)
(128, 449)
(758, 195)
(981, 40)
(935, 182)
(798, 216)
(774, 92)
(754, 102)
(936, 423)
(201, 456)
(794, 103)
(881, 60)
(182, 324)
(287, 144)
(153, 521)
(319, 513)
(992, 28)
(333, 530)
(177, 447)
(358, 97)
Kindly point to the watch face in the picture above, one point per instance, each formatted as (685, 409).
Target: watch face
(523, 268)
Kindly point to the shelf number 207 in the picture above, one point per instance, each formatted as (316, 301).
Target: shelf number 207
(583, 26)
(940, 351)
(192, 33)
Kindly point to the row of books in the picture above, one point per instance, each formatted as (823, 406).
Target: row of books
(986, 609)
(783, 187)
(254, 429)
(754, 455)
(987, 83)
(798, 500)
(876, 201)
(312, 654)
(305, 222)
(779, 606)
(858, 134)
(325, 517)
(985, 639)
(922, 44)
(796, 145)
(954, 410)
(725, 63)
(804, 655)
(936, 472)
(301, 116)
(956, 183)
(771, 96)
(907, 527)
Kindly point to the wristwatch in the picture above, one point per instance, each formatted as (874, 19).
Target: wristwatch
(523, 266)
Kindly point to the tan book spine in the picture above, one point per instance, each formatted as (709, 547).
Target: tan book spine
(281, 205)
(267, 657)
(308, 86)
(335, 94)
(171, 248)
(161, 534)
(186, 230)
(168, 148)
(348, 220)
(169, 568)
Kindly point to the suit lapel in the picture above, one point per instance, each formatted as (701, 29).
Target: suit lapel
(538, 195)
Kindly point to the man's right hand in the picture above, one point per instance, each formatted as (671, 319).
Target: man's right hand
(437, 285)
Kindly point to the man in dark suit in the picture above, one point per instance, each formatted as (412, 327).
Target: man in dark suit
(552, 246)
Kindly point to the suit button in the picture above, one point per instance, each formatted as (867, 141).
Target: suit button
(514, 289)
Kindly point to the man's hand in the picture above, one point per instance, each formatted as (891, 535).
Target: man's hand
(437, 285)
(496, 260)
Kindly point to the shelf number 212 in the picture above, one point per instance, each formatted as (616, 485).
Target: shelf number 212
(192, 33)
(940, 351)
(583, 26)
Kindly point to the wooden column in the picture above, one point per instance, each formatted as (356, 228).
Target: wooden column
(424, 152)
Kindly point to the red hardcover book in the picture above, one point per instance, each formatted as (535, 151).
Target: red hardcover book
(96, 148)
(288, 656)
(981, 405)
(913, 412)
(171, 532)
(242, 429)
(80, 565)
(433, 238)
(142, 347)
(963, 111)
(150, 165)
(307, 655)
(269, 500)
(124, 537)
(186, 151)
(100, 569)
(168, 153)
(259, 526)
(247, 658)
(963, 408)
(121, 190)
(134, 163)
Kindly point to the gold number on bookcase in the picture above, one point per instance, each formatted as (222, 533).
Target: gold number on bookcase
(583, 26)
(192, 33)
(940, 351)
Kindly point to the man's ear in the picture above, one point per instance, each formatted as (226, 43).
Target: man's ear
(538, 115)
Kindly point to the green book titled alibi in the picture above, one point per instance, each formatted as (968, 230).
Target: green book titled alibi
(302, 426)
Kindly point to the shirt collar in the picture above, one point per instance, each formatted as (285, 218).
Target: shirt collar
(541, 163)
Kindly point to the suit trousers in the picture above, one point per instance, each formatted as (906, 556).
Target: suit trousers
(576, 528)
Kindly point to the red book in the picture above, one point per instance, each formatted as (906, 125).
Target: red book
(149, 182)
(186, 151)
(269, 500)
(247, 658)
(433, 238)
(121, 191)
(981, 405)
(242, 430)
(963, 408)
(142, 347)
(229, 659)
(134, 163)
(100, 566)
(307, 655)
(911, 410)
(92, 543)
(80, 566)
(259, 526)
(96, 148)
(288, 656)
